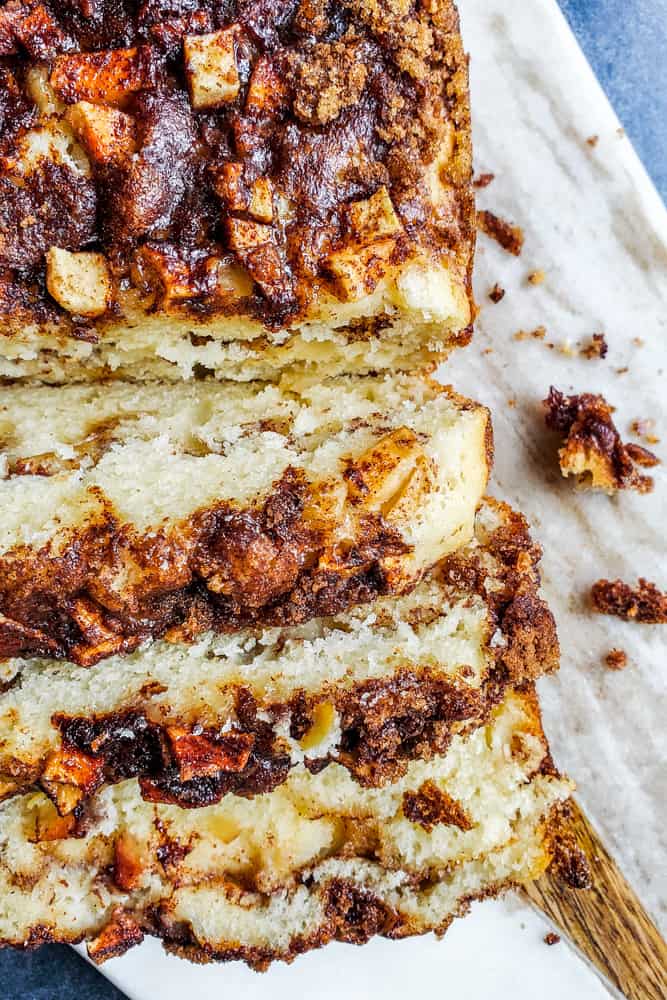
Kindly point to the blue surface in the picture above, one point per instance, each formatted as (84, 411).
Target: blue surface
(626, 43)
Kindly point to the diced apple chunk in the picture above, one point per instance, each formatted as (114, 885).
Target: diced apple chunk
(39, 88)
(79, 282)
(245, 235)
(210, 66)
(162, 267)
(119, 934)
(374, 217)
(50, 825)
(357, 270)
(108, 135)
(267, 90)
(261, 200)
(378, 477)
(106, 77)
(231, 188)
(178, 277)
(201, 756)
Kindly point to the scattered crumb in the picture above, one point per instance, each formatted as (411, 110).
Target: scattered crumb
(567, 349)
(538, 334)
(616, 659)
(483, 180)
(508, 236)
(487, 350)
(497, 294)
(620, 132)
(511, 402)
(536, 277)
(644, 603)
(593, 140)
(597, 348)
(638, 341)
(622, 371)
(551, 938)
(644, 429)
(593, 451)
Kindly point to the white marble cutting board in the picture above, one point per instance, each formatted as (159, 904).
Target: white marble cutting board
(597, 228)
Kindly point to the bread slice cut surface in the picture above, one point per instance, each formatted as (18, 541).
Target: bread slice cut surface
(370, 688)
(269, 877)
(132, 511)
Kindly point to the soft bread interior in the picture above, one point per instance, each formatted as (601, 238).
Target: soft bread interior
(230, 870)
(159, 452)
(446, 631)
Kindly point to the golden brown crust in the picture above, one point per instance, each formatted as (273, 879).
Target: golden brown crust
(321, 105)
(569, 862)
(593, 449)
(643, 603)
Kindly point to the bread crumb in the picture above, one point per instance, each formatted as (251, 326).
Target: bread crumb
(638, 341)
(593, 451)
(551, 938)
(597, 348)
(644, 603)
(616, 659)
(593, 140)
(539, 333)
(497, 294)
(622, 371)
(644, 429)
(536, 277)
(511, 402)
(504, 233)
(483, 180)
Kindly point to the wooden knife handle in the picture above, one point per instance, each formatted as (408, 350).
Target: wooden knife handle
(607, 923)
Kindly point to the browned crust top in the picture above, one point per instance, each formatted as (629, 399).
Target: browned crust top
(327, 103)
(593, 449)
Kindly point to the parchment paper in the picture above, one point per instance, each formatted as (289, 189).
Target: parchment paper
(597, 228)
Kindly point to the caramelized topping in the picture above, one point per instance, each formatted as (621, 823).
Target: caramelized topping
(248, 130)
(204, 756)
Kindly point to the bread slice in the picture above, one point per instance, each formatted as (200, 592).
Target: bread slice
(134, 511)
(270, 877)
(370, 688)
(241, 194)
